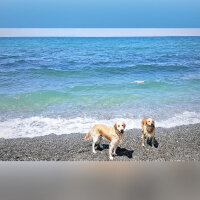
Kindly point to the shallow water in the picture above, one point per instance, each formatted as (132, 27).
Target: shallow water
(64, 85)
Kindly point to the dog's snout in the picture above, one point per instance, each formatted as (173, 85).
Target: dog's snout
(122, 131)
(152, 125)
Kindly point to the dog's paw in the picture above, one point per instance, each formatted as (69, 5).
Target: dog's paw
(111, 158)
(94, 151)
(143, 145)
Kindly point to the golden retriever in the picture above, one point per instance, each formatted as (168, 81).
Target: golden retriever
(113, 134)
(148, 129)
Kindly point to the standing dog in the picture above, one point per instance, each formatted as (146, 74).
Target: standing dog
(148, 129)
(113, 134)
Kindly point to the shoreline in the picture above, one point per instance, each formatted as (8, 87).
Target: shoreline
(180, 143)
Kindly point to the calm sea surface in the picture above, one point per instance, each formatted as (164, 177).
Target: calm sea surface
(65, 85)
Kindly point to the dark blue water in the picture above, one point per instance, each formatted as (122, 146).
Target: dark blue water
(64, 85)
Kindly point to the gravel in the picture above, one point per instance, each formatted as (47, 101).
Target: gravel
(173, 144)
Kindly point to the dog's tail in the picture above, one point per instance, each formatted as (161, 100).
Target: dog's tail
(87, 136)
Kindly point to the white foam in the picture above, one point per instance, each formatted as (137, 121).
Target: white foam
(138, 82)
(132, 66)
(40, 126)
(180, 119)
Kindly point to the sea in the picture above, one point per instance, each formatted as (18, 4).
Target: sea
(64, 85)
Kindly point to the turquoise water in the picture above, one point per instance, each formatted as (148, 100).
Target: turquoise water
(64, 85)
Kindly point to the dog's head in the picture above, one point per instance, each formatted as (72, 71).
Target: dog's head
(150, 122)
(120, 126)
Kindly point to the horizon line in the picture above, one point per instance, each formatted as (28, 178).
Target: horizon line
(98, 32)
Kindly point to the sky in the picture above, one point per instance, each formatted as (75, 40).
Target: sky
(99, 13)
(98, 32)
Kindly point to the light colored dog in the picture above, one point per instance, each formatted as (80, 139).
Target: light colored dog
(113, 134)
(148, 129)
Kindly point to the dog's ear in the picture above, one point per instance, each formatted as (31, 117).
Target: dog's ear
(115, 126)
(124, 124)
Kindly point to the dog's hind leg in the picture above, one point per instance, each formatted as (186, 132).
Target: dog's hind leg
(95, 141)
(143, 138)
(99, 142)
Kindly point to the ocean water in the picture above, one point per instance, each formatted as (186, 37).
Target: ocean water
(65, 85)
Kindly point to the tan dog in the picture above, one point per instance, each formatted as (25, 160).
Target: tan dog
(113, 134)
(148, 129)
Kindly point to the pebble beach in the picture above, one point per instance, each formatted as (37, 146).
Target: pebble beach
(181, 143)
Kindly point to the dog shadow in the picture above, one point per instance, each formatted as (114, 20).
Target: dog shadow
(149, 142)
(119, 151)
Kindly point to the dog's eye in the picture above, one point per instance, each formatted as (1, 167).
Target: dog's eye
(118, 125)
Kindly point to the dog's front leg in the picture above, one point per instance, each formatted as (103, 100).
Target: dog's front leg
(114, 152)
(152, 141)
(115, 148)
(111, 146)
